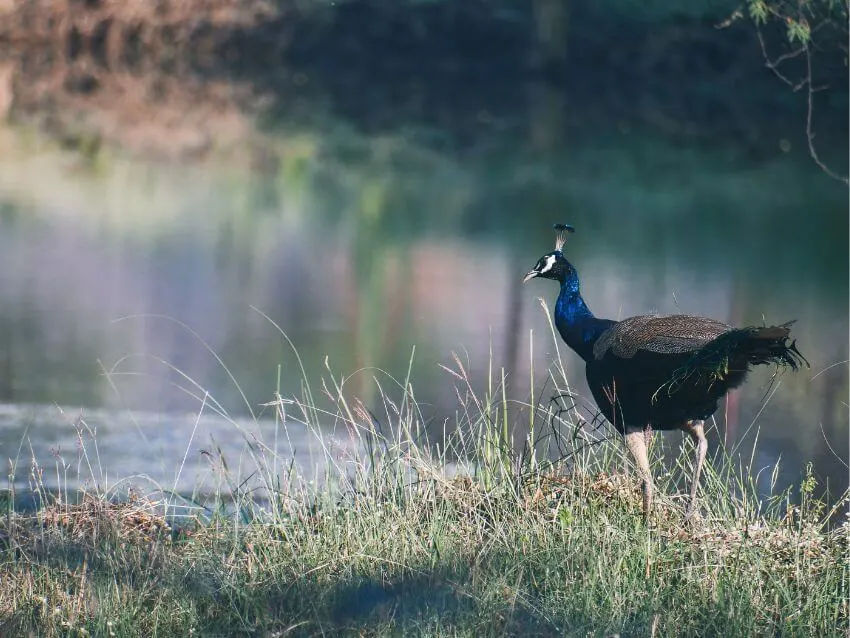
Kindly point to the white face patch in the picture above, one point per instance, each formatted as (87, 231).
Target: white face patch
(550, 261)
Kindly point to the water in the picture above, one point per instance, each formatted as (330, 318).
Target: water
(197, 455)
(142, 242)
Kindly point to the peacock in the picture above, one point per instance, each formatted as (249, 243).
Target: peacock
(653, 372)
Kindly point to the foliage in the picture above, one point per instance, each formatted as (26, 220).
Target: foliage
(798, 15)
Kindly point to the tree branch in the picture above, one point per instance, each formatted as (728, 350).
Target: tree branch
(807, 81)
(810, 135)
(773, 65)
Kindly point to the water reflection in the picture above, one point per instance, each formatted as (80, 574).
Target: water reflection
(91, 260)
(136, 238)
(197, 456)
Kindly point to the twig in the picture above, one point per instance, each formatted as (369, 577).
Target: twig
(774, 64)
(810, 136)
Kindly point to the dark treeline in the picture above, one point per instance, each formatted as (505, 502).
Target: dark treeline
(385, 64)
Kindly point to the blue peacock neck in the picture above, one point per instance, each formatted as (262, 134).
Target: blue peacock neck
(574, 320)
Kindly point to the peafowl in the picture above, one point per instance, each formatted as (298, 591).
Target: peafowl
(658, 372)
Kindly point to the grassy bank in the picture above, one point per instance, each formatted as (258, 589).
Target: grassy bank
(401, 538)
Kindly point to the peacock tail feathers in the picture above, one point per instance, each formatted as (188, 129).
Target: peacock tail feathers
(733, 353)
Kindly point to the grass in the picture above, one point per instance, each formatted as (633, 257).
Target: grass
(462, 534)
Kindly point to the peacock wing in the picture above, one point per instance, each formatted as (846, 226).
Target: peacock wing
(661, 334)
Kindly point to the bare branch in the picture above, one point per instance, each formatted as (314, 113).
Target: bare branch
(810, 135)
(773, 64)
(736, 15)
(796, 85)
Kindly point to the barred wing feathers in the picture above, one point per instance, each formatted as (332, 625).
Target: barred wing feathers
(670, 334)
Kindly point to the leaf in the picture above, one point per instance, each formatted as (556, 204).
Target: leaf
(798, 31)
(758, 11)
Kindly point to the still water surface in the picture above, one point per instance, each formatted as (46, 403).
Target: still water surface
(121, 272)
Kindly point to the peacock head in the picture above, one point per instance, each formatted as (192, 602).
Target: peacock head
(554, 265)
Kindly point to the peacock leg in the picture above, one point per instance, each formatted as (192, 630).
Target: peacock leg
(636, 442)
(695, 429)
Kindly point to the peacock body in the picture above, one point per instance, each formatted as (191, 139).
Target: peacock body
(654, 372)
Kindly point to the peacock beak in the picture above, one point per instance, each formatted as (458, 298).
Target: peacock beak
(530, 275)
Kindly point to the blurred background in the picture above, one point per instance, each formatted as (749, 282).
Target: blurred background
(378, 175)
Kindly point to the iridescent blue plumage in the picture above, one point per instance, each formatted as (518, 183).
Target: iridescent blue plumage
(574, 320)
